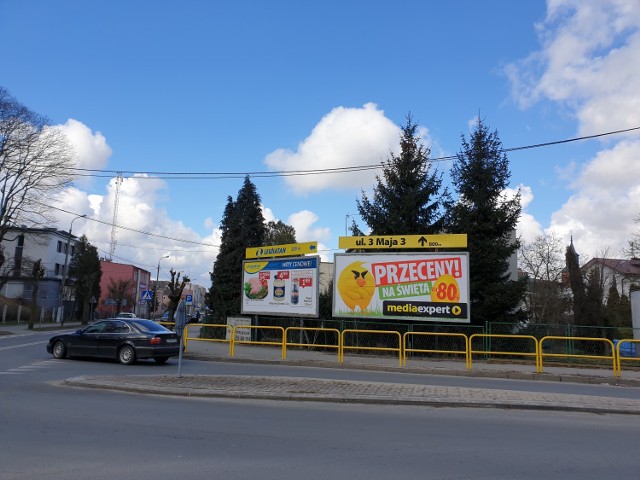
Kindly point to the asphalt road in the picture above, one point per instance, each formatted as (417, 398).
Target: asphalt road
(55, 432)
(26, 352)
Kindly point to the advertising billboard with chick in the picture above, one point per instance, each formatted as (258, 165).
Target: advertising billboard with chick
(412, 286)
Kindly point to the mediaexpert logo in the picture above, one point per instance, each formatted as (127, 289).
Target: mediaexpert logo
(424, 309)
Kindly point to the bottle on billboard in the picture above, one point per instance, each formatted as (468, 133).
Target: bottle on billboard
(278, 289)
(295, 293)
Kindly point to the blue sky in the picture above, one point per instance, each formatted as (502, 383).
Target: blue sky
(211, 86)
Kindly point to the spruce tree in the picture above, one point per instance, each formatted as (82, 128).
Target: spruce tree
(242, 227)
(480, 177)
(408, 198)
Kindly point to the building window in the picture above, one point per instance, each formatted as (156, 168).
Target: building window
(59, 246)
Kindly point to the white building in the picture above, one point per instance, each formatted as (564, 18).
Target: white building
(623, 272)
(21, 248)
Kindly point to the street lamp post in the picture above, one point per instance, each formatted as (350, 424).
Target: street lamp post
(346, 221)
(66, 263)
(155, 291)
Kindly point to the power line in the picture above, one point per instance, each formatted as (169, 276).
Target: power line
(96, 173)
(151, 234)
(222, 175)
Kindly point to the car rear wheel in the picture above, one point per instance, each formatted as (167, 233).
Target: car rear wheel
(127, 355)
(59, 350)
(161, 360)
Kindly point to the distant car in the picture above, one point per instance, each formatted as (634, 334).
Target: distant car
(122, 339)
(126, 315)
(192, 319)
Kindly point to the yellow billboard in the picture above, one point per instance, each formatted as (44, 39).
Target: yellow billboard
(416, 242)
(285, 250)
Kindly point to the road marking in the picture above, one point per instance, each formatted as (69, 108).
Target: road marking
(23, 345)
(29, 368)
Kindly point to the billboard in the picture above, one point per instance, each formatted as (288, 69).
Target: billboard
(286, 287)
(431, 287)
(285, 250)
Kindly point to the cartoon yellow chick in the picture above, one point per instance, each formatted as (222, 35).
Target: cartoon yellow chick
(356, 286)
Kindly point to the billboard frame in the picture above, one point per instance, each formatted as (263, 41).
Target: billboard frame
(284, 264)
(458, 312)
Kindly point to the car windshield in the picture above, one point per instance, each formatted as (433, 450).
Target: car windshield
(149, 326)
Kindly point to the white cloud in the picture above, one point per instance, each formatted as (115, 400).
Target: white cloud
(345, 137)
(268, 215)
(303, 222)
(528, 227)
(589, 63)
(91, 149)
(600, 213)
(138, 210)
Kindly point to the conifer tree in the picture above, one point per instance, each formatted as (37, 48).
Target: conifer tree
(408, 198)
(588, 294)
(85, 268)
(242, 227)
(618, 307)
(480, 177)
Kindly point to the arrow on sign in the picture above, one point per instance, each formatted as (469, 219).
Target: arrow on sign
(422, 241)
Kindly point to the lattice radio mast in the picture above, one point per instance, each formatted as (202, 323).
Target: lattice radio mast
(112, 247)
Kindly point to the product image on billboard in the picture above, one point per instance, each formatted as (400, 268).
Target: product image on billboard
(286, 286)
(416, 286)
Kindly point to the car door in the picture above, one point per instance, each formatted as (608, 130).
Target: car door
(85, 342)
(111, 338)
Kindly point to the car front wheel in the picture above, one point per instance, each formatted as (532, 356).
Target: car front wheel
(127, 355)
(59, 350)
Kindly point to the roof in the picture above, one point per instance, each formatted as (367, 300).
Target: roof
(624, 267)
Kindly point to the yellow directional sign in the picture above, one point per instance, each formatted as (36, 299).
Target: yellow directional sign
(404, 241)
(282, 250)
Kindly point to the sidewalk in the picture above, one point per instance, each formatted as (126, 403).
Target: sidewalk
(341, 391)
(493, 368)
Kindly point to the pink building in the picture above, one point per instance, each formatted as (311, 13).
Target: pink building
(139, 281)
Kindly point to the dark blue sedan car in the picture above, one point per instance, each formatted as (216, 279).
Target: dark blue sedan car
(122, 339)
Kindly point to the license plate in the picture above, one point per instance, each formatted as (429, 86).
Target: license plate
(171, 340)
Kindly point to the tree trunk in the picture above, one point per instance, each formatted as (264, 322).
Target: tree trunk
(33, 311)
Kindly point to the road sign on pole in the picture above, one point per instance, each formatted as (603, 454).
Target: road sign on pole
(147, 295)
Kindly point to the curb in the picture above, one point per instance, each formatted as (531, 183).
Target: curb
(353, 392)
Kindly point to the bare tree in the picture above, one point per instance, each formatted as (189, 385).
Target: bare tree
(175, 286)
(36, 162)
(633, 248)
(120, 292)
(543, 262)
